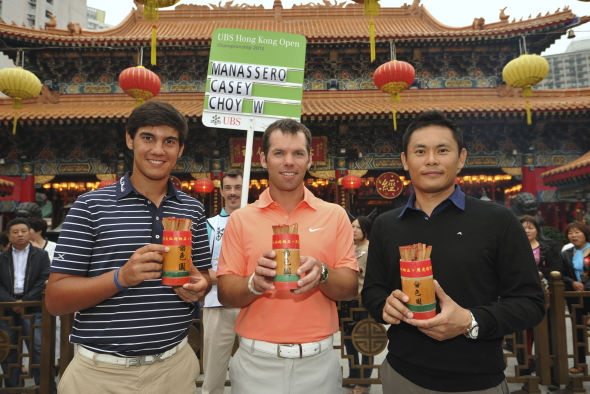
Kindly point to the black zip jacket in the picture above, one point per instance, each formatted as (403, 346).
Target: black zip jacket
(36, 274)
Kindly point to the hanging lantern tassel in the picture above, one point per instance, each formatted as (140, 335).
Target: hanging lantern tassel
(371, 11)
(372, 38)
(14, 122)
(153, 53)
(395, 98)
(17, 103)
(528, 92)
(529, 118)
(524, 72)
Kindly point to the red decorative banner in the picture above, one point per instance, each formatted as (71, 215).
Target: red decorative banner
(177, 238)
(285, 241)
(319, 151)
(415, 269)
(389, 185)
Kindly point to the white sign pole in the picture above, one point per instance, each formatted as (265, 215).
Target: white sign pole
(247, 163)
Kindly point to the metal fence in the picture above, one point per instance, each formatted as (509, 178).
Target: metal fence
(541, 356)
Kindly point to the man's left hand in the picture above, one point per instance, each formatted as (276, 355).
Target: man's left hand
(452, 320)
(18, 309)
(196, 289)
(310, 272)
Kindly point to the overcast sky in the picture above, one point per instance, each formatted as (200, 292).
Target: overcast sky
(455, 13)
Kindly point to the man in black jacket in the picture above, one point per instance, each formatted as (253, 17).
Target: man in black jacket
(23, 272)
(486, 281)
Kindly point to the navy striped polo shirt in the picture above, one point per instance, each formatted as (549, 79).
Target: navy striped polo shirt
(103, 229)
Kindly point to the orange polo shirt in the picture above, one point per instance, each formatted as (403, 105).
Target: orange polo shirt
(325, 233)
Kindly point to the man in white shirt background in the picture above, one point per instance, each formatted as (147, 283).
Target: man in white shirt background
(39, 236)
(218, 321)
(24, 269)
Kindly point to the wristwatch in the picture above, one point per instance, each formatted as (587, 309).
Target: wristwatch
(324, 274)
(473, 331)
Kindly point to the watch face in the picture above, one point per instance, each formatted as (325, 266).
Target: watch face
(474, 332)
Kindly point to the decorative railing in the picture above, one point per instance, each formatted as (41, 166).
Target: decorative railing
(544, 359)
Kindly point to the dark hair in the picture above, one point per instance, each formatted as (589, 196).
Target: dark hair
(231, 174)
(157, 113)
(531, 219)
(432, 118)
(365, 224)
(580, 226)
(3, 240)
(289, 126)
(38, 224)
(16, 221)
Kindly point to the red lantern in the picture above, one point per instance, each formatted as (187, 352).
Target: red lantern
(204, 185)
(393, 77)
(352, 182)
(105, 183)
(140, 83)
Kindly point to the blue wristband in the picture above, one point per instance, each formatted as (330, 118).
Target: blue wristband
(121, 288)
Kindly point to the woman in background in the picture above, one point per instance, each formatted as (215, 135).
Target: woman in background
(361, 227)
(576, 265)
(546, 254)
(547, 258)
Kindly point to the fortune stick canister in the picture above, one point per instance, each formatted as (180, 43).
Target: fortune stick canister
(285, 242)
(417, 280)
(178, 237)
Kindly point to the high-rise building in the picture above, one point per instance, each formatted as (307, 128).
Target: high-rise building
(569, 70)
(35, 13)
(95, 19)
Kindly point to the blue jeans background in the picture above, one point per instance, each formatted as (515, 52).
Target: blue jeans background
(35, 357)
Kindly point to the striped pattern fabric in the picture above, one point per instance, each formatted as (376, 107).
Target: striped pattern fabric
(101, 232)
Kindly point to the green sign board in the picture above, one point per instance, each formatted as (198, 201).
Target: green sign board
(254, 77)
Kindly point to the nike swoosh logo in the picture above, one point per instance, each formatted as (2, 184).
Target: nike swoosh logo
(311, 230)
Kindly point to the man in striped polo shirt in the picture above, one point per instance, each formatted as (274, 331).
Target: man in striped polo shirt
(130, 330)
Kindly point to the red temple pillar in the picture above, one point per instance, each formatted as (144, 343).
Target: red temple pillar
(27, 190)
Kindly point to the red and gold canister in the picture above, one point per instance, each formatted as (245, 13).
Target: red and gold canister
(285, 242)
(176, 267)
(418, 284)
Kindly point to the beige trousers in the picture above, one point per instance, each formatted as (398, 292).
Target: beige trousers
(174, 375)
(218, 342)
(255, 372)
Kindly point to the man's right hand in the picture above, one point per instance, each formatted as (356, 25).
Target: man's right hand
(144, 264)
(395, 309)
(265, 272)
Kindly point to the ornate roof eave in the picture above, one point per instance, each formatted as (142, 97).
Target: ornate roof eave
(318, 105)
(317, 23)
(572, 172)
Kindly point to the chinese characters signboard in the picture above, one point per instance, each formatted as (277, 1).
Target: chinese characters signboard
(389, 185)
(319, 151)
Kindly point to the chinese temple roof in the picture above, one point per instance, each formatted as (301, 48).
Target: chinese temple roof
(315, 104)
(323, 22)
(575, 171)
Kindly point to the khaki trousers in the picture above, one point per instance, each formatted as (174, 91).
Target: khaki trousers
(393, 382)
(255, 372)
(174, 375)
(218, 342)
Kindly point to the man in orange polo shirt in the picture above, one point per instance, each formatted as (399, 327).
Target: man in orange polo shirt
(286, 336)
